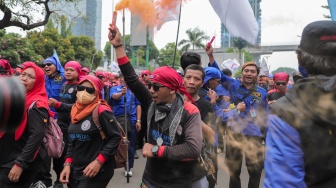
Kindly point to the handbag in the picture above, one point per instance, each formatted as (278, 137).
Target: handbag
(121, 157)
(53, 138)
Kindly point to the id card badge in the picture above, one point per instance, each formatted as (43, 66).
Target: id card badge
(253, 112)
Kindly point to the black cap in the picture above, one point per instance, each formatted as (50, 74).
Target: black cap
(319, 38)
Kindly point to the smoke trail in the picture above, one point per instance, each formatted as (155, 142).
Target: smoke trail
(147, 10)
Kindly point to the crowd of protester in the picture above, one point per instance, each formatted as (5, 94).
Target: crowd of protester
(181, 120)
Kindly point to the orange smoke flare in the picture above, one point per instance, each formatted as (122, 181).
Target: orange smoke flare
(147, 10)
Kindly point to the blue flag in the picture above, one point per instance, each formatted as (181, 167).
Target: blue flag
(58, 63)
(332, 7)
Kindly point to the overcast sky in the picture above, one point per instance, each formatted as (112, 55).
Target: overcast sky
(282, 23)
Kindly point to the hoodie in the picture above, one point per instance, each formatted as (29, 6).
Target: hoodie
(301, 139)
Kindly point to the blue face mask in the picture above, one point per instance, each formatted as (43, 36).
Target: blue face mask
(303, 72)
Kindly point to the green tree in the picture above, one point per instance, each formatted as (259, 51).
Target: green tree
(16, 49)
(195, 39)
(239, 44)
(153, 50)
(166, 55)
(65, 27)
(45, 42)
(287, 70)
(107, 48)
(140, 53)
(26, 14)
(326, 7)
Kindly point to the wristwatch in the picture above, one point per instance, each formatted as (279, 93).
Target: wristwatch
(155, 150)
(138, 120)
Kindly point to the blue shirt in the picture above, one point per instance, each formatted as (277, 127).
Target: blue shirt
(54, 86)
(220, 90)
(284, 159)
(118, 105)
(254, 119)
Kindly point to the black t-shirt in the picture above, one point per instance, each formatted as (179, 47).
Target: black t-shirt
(207, 116)
(67, 98)
(86, 144)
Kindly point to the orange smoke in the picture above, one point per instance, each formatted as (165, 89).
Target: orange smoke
(146, 9)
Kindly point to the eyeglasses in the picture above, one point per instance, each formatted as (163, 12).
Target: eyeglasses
(88, 89)
(155, 87)
(144, 75)
(47, 64)
(280, 83)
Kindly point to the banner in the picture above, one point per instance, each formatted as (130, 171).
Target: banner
(233, 65)
(332, 8)
(263, 67)
(238, 18)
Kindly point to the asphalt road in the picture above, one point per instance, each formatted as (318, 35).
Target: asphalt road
(120, 181)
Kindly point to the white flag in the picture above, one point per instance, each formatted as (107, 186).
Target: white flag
(164, 15)
(238, 18)
(233, 65)
(263, 67)
(114, 66)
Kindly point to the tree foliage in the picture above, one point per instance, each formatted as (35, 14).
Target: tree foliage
(16, 49)
(167, 55)
(81, 48)
(195, 39)
(27, 14)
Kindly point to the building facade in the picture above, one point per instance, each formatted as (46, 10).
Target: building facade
(86, 17)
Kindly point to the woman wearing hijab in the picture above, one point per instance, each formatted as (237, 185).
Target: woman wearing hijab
(21, 157)
(67, 98)
(89, 159)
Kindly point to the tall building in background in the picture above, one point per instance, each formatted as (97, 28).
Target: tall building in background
(226, 38)
(89, 23)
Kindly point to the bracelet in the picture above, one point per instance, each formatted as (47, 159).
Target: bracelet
(117, 46)
(99, 162)
(67, 164)
(138, 120)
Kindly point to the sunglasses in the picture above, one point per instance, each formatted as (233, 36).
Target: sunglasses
(47, 64)
(88, 89)
(155, 87)
(144, 75)
(280, 83)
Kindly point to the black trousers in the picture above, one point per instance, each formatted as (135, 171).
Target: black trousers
(221, 133)
(87, 183)
(26, 178)
(238, 145)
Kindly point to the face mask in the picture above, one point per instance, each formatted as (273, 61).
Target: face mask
(84, 97)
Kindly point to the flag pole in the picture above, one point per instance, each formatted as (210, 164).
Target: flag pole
(177, 34)
(112, 49)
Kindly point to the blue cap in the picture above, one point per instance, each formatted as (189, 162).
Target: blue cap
(211, 73)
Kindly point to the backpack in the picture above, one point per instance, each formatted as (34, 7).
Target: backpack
(121, 157)
(53, 138)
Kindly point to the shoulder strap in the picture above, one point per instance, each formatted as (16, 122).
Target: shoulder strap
(246, 95)
(95, 118)
(31, 105)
